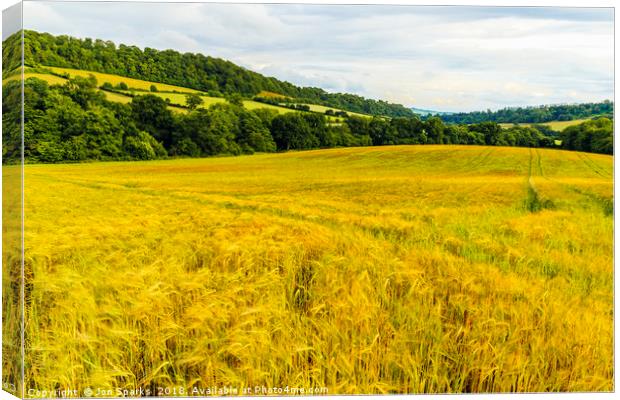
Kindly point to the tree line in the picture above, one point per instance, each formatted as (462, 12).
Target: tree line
(538, 114)
(74, 122)
(195, 71)
(594, 136)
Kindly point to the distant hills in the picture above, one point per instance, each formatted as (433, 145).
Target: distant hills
(222, 79)
(535, 114)
(422, 112)
(557, 113)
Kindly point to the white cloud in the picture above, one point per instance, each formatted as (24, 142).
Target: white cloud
(430, 57)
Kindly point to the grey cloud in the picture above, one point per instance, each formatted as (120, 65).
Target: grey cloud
(11, 20)
(455, 58)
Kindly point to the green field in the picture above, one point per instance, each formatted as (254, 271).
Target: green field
(396, 269)
(180, 98)
(322, 109)
(116, 97)
(115, 80)
(253, 105)
(164, 90)
(51, 79)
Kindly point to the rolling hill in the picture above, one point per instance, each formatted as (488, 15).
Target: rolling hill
(174, 95)
(423, 112)
(535, 114)
(195, 71)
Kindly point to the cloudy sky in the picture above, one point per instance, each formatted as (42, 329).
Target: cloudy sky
(442, 58)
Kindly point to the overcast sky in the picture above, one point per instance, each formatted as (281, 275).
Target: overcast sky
(442, 58)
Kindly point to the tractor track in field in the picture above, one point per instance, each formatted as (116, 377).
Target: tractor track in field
(606, 204)
(539, 164)
(608, 174)
(534, 202)
(593, 166)
(480, 159)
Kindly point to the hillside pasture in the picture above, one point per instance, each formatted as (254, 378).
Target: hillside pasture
(272, 95)
(50, 79)
(175, 98)
(322, 109)
(181, 99)
(116, 97)
(253, 105)
(176, 94)
(116, 79)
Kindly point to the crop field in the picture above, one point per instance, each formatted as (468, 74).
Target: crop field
(116, 79)
(116, 97)
(322, 109)
(176, 98)
(272, 95)
(253, 105)
(405, 269)
(180, 98)
(50, 79)
(555, 125)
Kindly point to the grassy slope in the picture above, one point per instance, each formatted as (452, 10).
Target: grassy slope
(116, 97)
(322, 109)
(180, 98)
(164, 91)
(115, 79)
(137, 87)
(51, 79)
(366, 270)
(253, 105)
(177, 98)
(272, 95)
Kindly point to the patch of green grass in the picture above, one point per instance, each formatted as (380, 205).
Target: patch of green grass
(50, 79)
(116, 97)
(322, 109)
(116, 79)
(181, 99)
(272, 95)
(253, 105)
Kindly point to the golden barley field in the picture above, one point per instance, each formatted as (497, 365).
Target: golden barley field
(396, 269)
